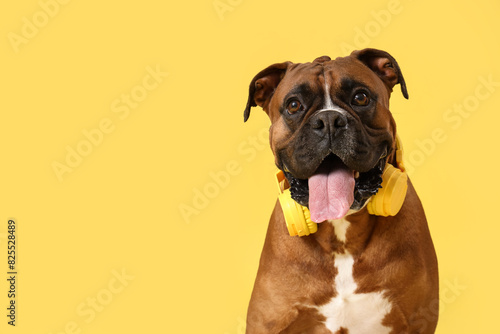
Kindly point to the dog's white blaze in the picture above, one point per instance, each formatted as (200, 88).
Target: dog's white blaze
(359, 313)
(328, 100)
(329, 105)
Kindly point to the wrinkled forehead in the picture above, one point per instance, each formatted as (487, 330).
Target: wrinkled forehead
(310, 72)
(342, 73)
(346, 69)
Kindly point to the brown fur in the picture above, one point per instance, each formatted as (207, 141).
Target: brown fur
(391, 254)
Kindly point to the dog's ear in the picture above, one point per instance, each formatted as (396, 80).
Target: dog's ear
(263, 85)
(384, 65)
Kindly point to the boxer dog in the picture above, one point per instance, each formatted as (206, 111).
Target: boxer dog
(331, 134)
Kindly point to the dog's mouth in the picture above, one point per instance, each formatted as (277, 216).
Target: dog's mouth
(334, 188)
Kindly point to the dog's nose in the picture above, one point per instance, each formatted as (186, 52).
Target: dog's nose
(328, 121)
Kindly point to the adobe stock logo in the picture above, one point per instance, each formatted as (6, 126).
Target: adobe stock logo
(223, 6)
(89, 309)
(31, 26)
(219, 180)
(449, 292)
(454, 118)
(381, 19)
(94, 137)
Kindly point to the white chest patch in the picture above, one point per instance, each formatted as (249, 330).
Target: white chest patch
(359, 313)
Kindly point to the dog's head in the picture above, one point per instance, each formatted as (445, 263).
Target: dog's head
(330, 123)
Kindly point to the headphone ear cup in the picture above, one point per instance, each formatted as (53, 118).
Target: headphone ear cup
(389, 199)
(297, 217)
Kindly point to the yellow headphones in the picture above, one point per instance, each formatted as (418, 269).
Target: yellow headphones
(387, 202)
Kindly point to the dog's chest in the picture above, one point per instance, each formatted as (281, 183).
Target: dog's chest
(359, 313)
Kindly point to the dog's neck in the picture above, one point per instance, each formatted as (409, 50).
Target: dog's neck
(351, 233)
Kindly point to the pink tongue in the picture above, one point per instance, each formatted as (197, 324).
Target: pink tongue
(331, 191)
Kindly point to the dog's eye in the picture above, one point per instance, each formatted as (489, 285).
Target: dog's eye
(293, 106)
(360, 99)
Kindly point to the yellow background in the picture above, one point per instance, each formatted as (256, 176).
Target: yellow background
(120, 208)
